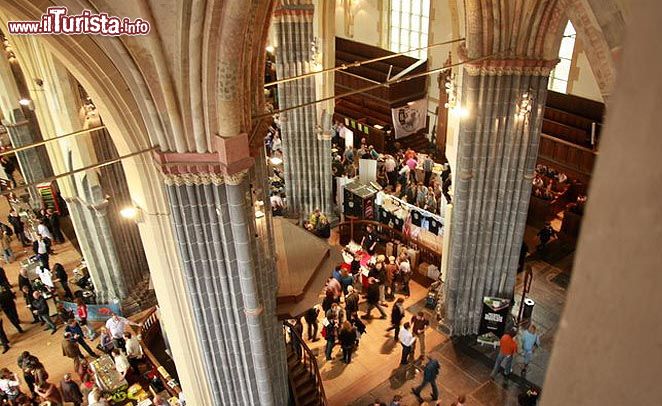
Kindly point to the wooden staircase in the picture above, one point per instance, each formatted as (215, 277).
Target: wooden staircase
(304, 377)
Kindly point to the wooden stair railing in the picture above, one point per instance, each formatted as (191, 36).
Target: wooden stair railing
(149, 328)
(305, 381)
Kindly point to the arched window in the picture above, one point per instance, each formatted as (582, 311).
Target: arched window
(409, 23)
(558, 78)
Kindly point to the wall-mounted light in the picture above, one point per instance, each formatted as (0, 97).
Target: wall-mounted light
(24, 102)
(271, 49)
(460, 111)
(132, 213)
(275, 160)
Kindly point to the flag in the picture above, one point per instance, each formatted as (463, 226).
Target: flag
(409, 118)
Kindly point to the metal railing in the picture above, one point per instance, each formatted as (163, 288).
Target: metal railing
(309, 363)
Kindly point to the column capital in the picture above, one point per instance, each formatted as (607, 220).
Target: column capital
(511, 66)
(232, 157)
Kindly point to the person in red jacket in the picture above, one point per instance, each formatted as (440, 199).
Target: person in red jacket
(507, 350)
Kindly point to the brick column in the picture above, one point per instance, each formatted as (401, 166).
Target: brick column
(497, 152)
(231, 288)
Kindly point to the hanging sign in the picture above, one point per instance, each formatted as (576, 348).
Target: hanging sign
(409, 118)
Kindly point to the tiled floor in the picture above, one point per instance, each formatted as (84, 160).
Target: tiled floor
(465, 366)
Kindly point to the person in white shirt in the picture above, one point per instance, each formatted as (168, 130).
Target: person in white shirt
(116, 325)
(134, 351)
(9, 384)
(46, 277)
(43, 231)
(407, 340)
(122, 363)
(405, 273)
(94, 398)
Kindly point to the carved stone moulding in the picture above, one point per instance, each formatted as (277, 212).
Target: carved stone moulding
(228, 165)
(514, 66)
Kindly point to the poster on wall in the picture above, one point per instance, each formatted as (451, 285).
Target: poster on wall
(409, 118)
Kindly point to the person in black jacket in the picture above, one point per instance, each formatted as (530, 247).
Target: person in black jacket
(351, 301)
(53, 220)
(8, 306)
(347, 338)
(373, 299)
(40, 308)
(27, 295)
(3, 279)
(397, 314)
(311, 320)
(61, 275)
(42, 249)
(19, 228)
(295, 337)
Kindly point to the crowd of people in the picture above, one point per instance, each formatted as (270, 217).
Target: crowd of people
(397, 172)
(44, 295)
(120, 343)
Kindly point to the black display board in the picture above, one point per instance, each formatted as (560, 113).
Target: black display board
(494, 316)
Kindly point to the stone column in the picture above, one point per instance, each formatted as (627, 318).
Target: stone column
(33, 162)
(497, 151)
(306, 154)
(231, 286)
(91, 222)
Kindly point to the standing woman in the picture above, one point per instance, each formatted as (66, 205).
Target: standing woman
(81, 315)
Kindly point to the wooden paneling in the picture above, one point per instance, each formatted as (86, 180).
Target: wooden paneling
(374, 106)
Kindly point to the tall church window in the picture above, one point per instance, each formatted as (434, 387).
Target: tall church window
(409, 24)
(558, 78)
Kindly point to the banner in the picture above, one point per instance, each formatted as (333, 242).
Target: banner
(96, 312)
(409, 118)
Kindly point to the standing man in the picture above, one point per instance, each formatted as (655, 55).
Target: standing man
(530, 341)
(18, 226)
(351, 302)
(77, 334)
(330, 336)
(70, 347)
(311, 320)
(545, 234)
(42, 248)
(369, 240)
(116, 326)
(507, 349)
(430, 373)
(397, 314)
(53, 220)
(407, 340)
(391, 174)
(296, 336)
(70, 391)
(9, 307)
(428, 164)
(420, 323)
(3, 338)
(373, 299)
(39, 307)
